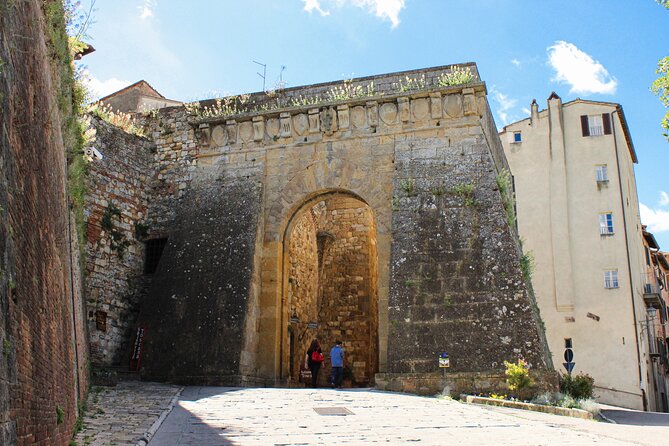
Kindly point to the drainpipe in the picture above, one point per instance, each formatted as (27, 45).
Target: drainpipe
(629, 266)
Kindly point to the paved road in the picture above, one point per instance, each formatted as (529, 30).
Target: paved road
(636, 418)
(207, 416)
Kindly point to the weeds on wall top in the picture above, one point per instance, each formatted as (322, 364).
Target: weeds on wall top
(235, 105)
(119, 119)
(457, 76)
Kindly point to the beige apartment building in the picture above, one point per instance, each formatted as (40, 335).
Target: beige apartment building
(578, 213)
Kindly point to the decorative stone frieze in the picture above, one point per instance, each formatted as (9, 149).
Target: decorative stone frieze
(373, 113)
(404, 109)
(286, 125)
(388, 113)
(246, 131)
(358, 117)
(420, 109)
(314, 120)
(273, 127)
(343, 116)
(329, 120)
(300, 124)
(469, 102)
(231, 130)
(258, 128)
(435, 105)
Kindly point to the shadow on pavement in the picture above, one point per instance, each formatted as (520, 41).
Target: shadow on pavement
(636, 418)
(182, 427)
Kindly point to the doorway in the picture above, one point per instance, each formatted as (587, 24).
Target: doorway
(331, 286)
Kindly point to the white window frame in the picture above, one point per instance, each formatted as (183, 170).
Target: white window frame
(602, 172)
(520, 137)
(611, 279)
(606, 223)
(596, 125)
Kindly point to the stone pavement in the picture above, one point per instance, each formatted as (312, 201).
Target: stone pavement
(255, 416)
(123, 415)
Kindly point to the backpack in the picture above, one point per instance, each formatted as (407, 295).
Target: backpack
(317, 357)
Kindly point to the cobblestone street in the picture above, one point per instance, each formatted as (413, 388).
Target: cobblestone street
(131, 412)
(122, 415)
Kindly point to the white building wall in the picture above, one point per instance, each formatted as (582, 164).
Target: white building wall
(559, 202)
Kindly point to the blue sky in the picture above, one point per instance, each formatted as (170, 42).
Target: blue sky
(524, 49)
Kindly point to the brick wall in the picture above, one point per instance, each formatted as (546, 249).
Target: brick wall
(39, 291)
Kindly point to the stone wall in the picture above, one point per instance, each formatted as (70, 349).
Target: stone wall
(117, 206)
(454, 384)
(42, 365)
(452, 287)
(195, 310)
(424, 163)
(303, 284)
(332, 284)
(348, 306)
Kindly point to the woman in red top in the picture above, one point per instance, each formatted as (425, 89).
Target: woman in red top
(313, 360)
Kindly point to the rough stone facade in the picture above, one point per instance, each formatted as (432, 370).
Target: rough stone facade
(236, 194)
(118, 190)
(43, 365)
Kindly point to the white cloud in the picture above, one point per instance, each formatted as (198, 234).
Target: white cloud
(579, 70)
(384, 9)
(527, 111)
(505, 105)
(101, 88)
(310, 5)
(146, 10)
(516, 62)
(657, 220)
(664, 198)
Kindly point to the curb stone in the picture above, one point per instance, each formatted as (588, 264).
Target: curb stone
(576, 413)
(154, 427)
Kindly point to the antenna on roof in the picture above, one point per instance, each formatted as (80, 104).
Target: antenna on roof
(264, 73)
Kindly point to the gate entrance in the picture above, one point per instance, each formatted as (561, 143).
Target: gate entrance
(331, 281)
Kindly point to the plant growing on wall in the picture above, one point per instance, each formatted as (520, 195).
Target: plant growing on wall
(119, 119)
(118, 241)
(506, 190)
(410, 84)
(408, 185)
(466, 192)
(457, 76)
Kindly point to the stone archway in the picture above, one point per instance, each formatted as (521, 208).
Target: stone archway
(331, 285)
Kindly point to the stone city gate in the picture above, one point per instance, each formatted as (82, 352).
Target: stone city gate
(369, 211)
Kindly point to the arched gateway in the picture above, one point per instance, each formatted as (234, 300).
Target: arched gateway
(373, 215)
(330, 285)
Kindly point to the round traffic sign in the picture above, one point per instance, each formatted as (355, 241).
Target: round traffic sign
(568, 354)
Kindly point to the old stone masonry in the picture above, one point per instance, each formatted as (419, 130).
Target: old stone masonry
(373, 210)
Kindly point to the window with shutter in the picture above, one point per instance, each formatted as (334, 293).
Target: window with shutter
(606, 120)
(585, 128)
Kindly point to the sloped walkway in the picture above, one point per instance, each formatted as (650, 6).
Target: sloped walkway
(125, 414)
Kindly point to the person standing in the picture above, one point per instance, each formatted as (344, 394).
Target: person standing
(313, 360)
(337, 359)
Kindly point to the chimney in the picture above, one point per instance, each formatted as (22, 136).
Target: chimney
(534, 115)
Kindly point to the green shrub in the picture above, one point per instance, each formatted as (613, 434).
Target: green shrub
(518, 375)
(578, 386)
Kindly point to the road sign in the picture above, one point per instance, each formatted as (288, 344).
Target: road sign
(569, 366)
(444, 360)
(568, 355)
